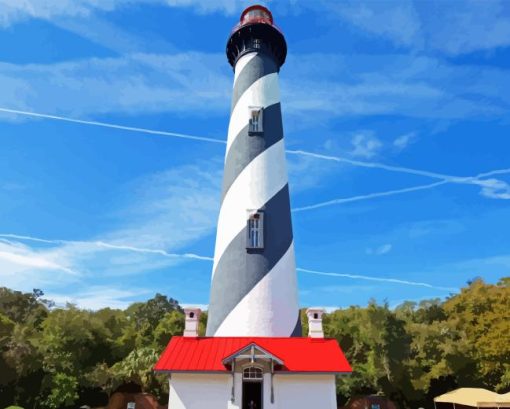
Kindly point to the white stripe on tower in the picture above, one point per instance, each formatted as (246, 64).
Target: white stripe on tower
(252, 189)
(277, 289)
(254, 290)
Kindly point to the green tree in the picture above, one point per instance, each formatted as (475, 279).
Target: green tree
(53, 356)
(376, 343)
(73, 340)
(145, 317)
(63, 391)
(138, 367)
(480, 314)
(27, 308)
(171, 324)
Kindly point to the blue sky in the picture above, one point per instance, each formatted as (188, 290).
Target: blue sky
(397, 123)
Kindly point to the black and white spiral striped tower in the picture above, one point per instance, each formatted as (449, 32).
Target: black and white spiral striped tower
(254, 288)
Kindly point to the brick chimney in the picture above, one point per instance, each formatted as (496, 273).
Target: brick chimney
(192, 317)
(315, 322)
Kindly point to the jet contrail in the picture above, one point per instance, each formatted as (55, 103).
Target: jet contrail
(30, 238)
(369, 196)
(113, 126)
(110, 246)
(488, 183)
(207, 258)
(152, 251)
(471, 180)
(370, 278)
(358, 163)
(474, 180)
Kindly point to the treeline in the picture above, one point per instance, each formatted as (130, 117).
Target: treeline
(67, 357)
(417, 351)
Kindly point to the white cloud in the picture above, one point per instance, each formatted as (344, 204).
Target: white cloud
(97, 297)
(24, 267)
(15, 10)
(107, 34)
(173, 207)
(405, 23)
(365, 145)
(379, 251)
(188, 83)
(433, 227)
(403, 141)
(32, 261)
(467, 26)
(306, 173)
(397, 21)
(166, 211)
(449, 27)
(404, 85)
(198, 84)
(12, 11)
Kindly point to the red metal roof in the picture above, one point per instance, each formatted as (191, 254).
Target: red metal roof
(298, 354)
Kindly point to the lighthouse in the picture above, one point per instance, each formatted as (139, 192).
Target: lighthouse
(254, 354)
(253, 288)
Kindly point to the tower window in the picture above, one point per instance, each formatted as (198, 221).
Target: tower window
(255, 239)
(256, 126)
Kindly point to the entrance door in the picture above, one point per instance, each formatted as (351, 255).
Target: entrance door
(252, 395)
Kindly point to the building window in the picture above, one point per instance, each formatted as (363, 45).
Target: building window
(256, 121)
(255, 230)
(252, 373)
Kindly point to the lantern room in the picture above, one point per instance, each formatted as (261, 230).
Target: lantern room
(256, 14)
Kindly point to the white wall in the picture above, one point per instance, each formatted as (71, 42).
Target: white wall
(197, 391)
(213, 391)
(304, 392)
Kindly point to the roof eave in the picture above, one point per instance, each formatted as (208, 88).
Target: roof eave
(226, 372)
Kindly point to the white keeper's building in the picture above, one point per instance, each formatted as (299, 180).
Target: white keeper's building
(271, 372)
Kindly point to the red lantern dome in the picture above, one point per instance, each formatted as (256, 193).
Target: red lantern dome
(256, 14)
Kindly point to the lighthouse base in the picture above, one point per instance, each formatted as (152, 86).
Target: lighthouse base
(252, 372)
(201, 391)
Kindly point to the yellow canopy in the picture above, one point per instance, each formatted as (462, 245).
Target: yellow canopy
(476, 397)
